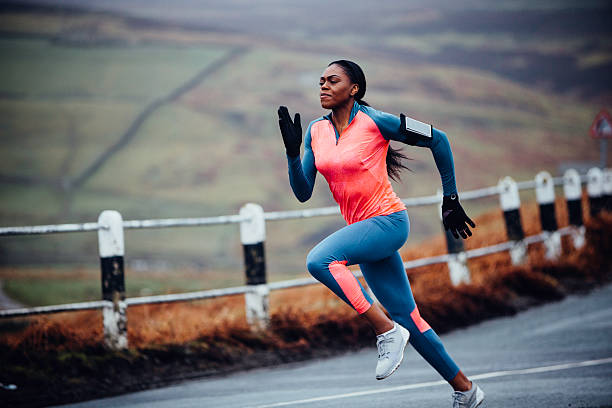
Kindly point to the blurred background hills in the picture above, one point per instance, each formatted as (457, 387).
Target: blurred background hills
(161, 110)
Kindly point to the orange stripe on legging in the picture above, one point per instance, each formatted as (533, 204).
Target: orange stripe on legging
(349, 285)
(421, 324)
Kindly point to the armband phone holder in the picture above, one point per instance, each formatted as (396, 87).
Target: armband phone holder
(414, 130)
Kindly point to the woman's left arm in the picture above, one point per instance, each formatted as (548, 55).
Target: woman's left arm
(415, 133)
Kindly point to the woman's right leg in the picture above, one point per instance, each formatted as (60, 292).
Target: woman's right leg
(388, 280)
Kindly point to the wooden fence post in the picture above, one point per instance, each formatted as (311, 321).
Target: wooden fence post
(253, 236)
(545, 196)
(111, 247)
(572, 189)
(510, 203)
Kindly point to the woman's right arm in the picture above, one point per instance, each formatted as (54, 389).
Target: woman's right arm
(302, 173)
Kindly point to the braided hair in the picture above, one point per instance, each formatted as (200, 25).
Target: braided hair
(356, 75)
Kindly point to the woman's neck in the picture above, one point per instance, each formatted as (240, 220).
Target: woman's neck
(341, 115)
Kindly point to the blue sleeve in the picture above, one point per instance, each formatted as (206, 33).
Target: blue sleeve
(302, 173)
(389, 126)
(443, 156)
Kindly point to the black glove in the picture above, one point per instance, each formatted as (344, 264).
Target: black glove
(454, 218)
(291, 131)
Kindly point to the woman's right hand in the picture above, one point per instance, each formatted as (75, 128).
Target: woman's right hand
(291, 131)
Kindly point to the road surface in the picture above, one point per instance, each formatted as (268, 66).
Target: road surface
(556, 355)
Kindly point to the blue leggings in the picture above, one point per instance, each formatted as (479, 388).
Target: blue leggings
(373, 244)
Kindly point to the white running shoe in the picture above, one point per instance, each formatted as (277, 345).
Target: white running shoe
(391, 347)
(469, 399)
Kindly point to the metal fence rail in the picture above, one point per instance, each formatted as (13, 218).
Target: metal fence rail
(181, 297)
(184, 222)
(49, 229)
(70, 307)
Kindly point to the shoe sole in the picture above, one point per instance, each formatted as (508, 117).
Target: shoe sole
(404, 332)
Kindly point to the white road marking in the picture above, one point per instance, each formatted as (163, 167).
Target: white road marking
(603, 316)
(492, 374)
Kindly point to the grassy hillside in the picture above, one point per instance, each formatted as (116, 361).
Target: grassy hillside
(73, 81)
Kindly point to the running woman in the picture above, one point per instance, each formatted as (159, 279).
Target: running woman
(350, 148)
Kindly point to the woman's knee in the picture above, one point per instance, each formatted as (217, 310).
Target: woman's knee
(315, 264)
(318, 263)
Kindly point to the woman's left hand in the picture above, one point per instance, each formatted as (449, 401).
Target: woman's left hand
(454, 217)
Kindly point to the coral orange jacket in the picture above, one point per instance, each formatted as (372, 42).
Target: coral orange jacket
(354, 162)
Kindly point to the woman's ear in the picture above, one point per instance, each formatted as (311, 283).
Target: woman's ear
(354, 90)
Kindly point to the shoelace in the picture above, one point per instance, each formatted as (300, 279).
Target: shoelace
(382, 346)
(459, 400)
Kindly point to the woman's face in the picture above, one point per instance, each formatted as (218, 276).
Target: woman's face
(336, 87)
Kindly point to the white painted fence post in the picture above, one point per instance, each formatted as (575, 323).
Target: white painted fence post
(457, 262)
(595, 190)
(510, 203)
(458, 269)
(572, 188)
(545, 196)
(253, 236)
(111, 247)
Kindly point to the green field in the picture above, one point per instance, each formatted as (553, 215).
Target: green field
(71, 85)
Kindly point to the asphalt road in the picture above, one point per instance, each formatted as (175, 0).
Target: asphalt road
(556, 355)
